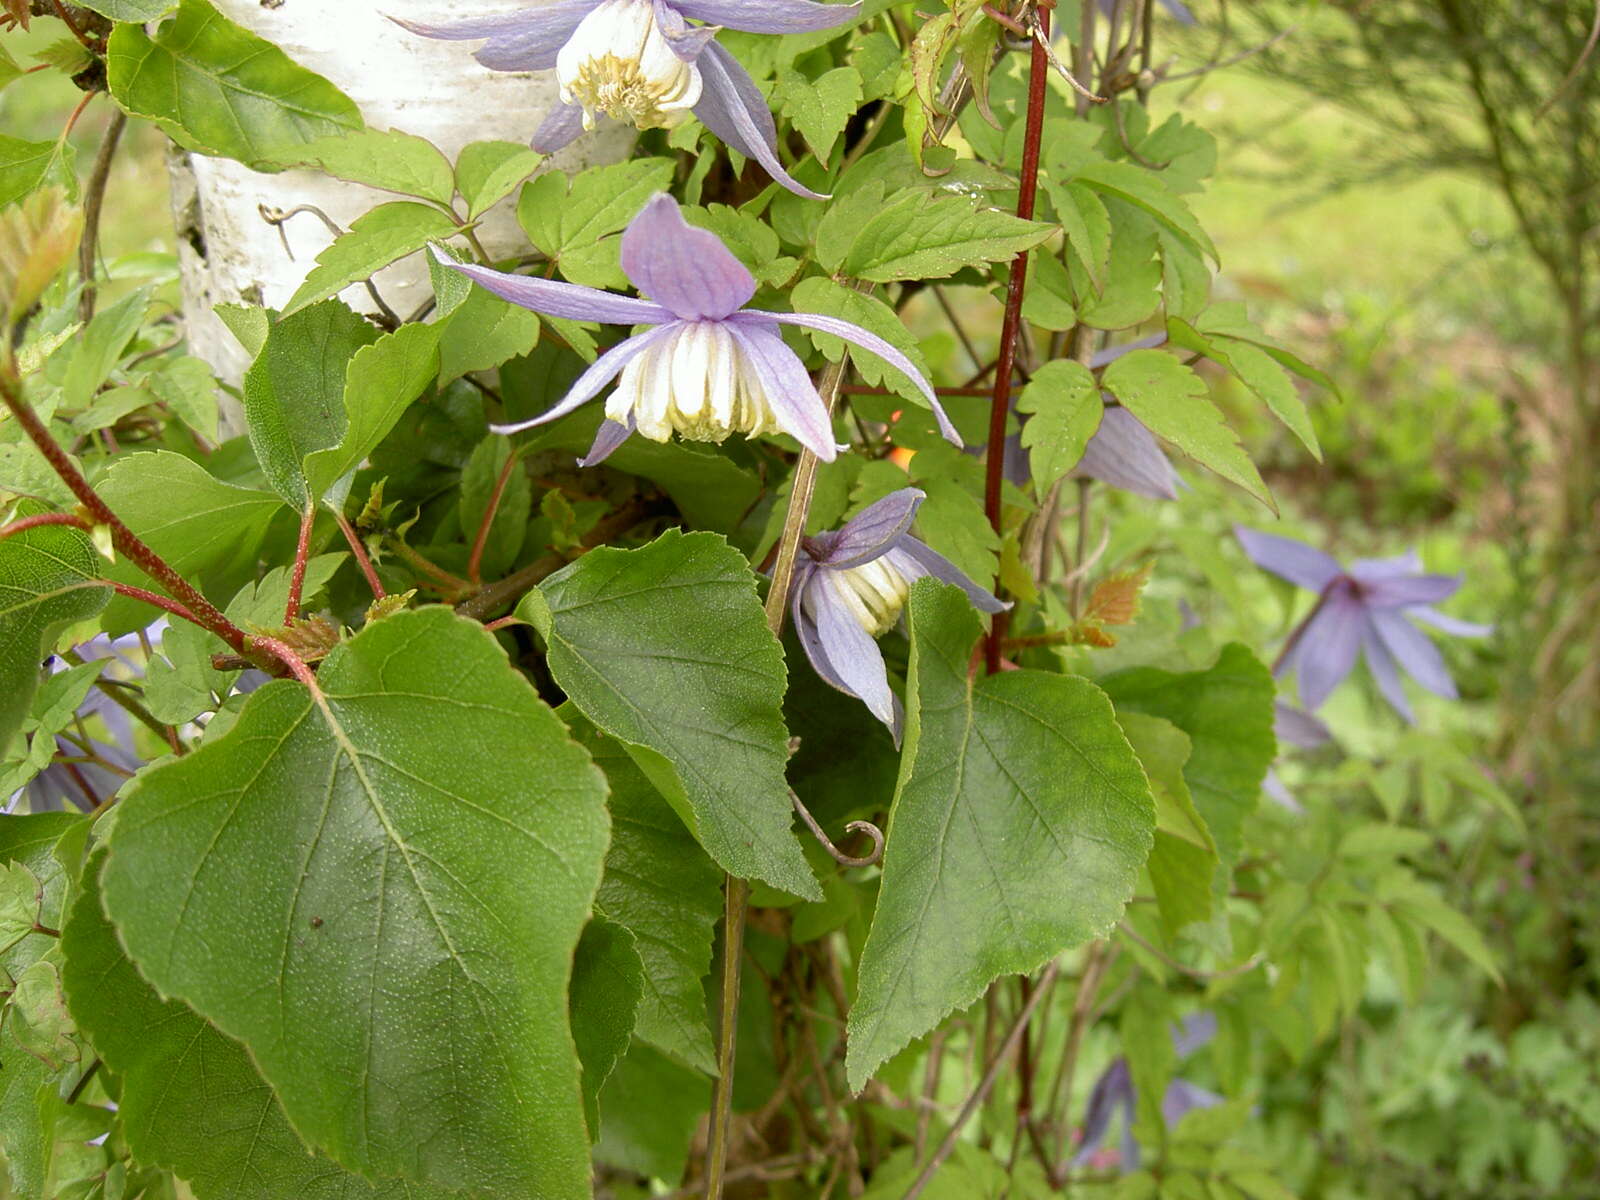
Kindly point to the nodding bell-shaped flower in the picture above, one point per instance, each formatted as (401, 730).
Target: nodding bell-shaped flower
(850, 587)
(1362, 611)
(641, 61)
(707, 367)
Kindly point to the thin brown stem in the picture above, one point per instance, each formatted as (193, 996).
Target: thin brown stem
(986, 1085)
(77, 30)
(23, 524)
(94, 196)
(362, 559)
(1094, 969)
(475, 563)
(297, 575)
(1000, 404)
(99, 513)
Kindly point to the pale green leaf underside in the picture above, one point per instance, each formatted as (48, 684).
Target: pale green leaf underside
(380, 897)
(1021, 823)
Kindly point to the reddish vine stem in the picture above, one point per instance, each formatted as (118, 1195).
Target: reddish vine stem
(475, 563)
(124, 539)
(155, 600)
(77, 32)
(23, 524)
(296, 665)
(1000, 406)
(297, 577)
(362, 559)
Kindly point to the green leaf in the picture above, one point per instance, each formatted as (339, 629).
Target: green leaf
(49, 846)
(191, 1101)
(1139, 187)
(574, 221)
(1171, 401)
(1183, 860)
(1065, 404)
(820, 108)
(386, 159)
(607, 980)
(666, 649)
(660, 886)
(379, 892)
(483, 332)
(1048, 302)
(202, 527)
(49, 579)
(380, 383)
(24, 166)
(1131, 291)
(28, 1114)
(130, 10)
(20, 898)
(821, 295)
(1258, 371)
(376, 239)
(187, 386)
(1019, 828)
(294, 392)
(99, 348)
(1086, 223)
(509, 529)
(648, 1114)
(1227, 712)
(39, 1018)
(215, 87)
(919, 234)
(488, 172)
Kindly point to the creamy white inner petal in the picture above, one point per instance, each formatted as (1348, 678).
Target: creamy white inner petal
(618, 63)
(875, 593)
(697, 382)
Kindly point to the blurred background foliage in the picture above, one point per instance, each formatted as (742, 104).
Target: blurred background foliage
(1408, 196)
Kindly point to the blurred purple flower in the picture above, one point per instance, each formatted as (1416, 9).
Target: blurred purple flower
(850, 586)
(1175, 7)
(1114, 1095)
(1361, 610)
(708, 367)
(641, 61)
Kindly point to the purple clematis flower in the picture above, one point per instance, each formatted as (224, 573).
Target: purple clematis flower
(707, 367)
(1362, 610)
(641, 61)
(1114, 1095)
(850, 586)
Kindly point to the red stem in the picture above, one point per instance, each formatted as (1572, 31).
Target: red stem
(124, 539)
(156, 600)
(296, 664)
(1000, 408)
(72, 117)
(297, 577)
(360, 551)
(26, 523)
(475, 563)
(502, 623)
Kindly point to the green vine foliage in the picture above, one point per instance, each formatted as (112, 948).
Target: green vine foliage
(399, 872)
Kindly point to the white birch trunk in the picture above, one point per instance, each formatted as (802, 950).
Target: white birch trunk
(434, 89)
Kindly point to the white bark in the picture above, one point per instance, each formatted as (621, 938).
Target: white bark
(434, 89)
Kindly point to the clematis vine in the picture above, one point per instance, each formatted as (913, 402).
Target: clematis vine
(850, 587)
(1361, 610)
(707, 366)
(641, 61)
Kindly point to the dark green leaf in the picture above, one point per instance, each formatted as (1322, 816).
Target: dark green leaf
(483, 332)
(1227, 712)
(219, 89)
(192, 1101)
(648, 1114)
(666, 649)
(607, 980)
(294, 392)
(1019, 829)
(661, 886)
(49, 579)
(379, 893)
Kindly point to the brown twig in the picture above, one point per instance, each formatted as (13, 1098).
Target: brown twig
(838, 855)
(99, 513)
(986, 1084)
(23, 524)
(94, 196)
(1000, 404)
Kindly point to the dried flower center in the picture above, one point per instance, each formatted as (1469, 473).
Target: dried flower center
(696, 381)
(618, 63)
(875, 593)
